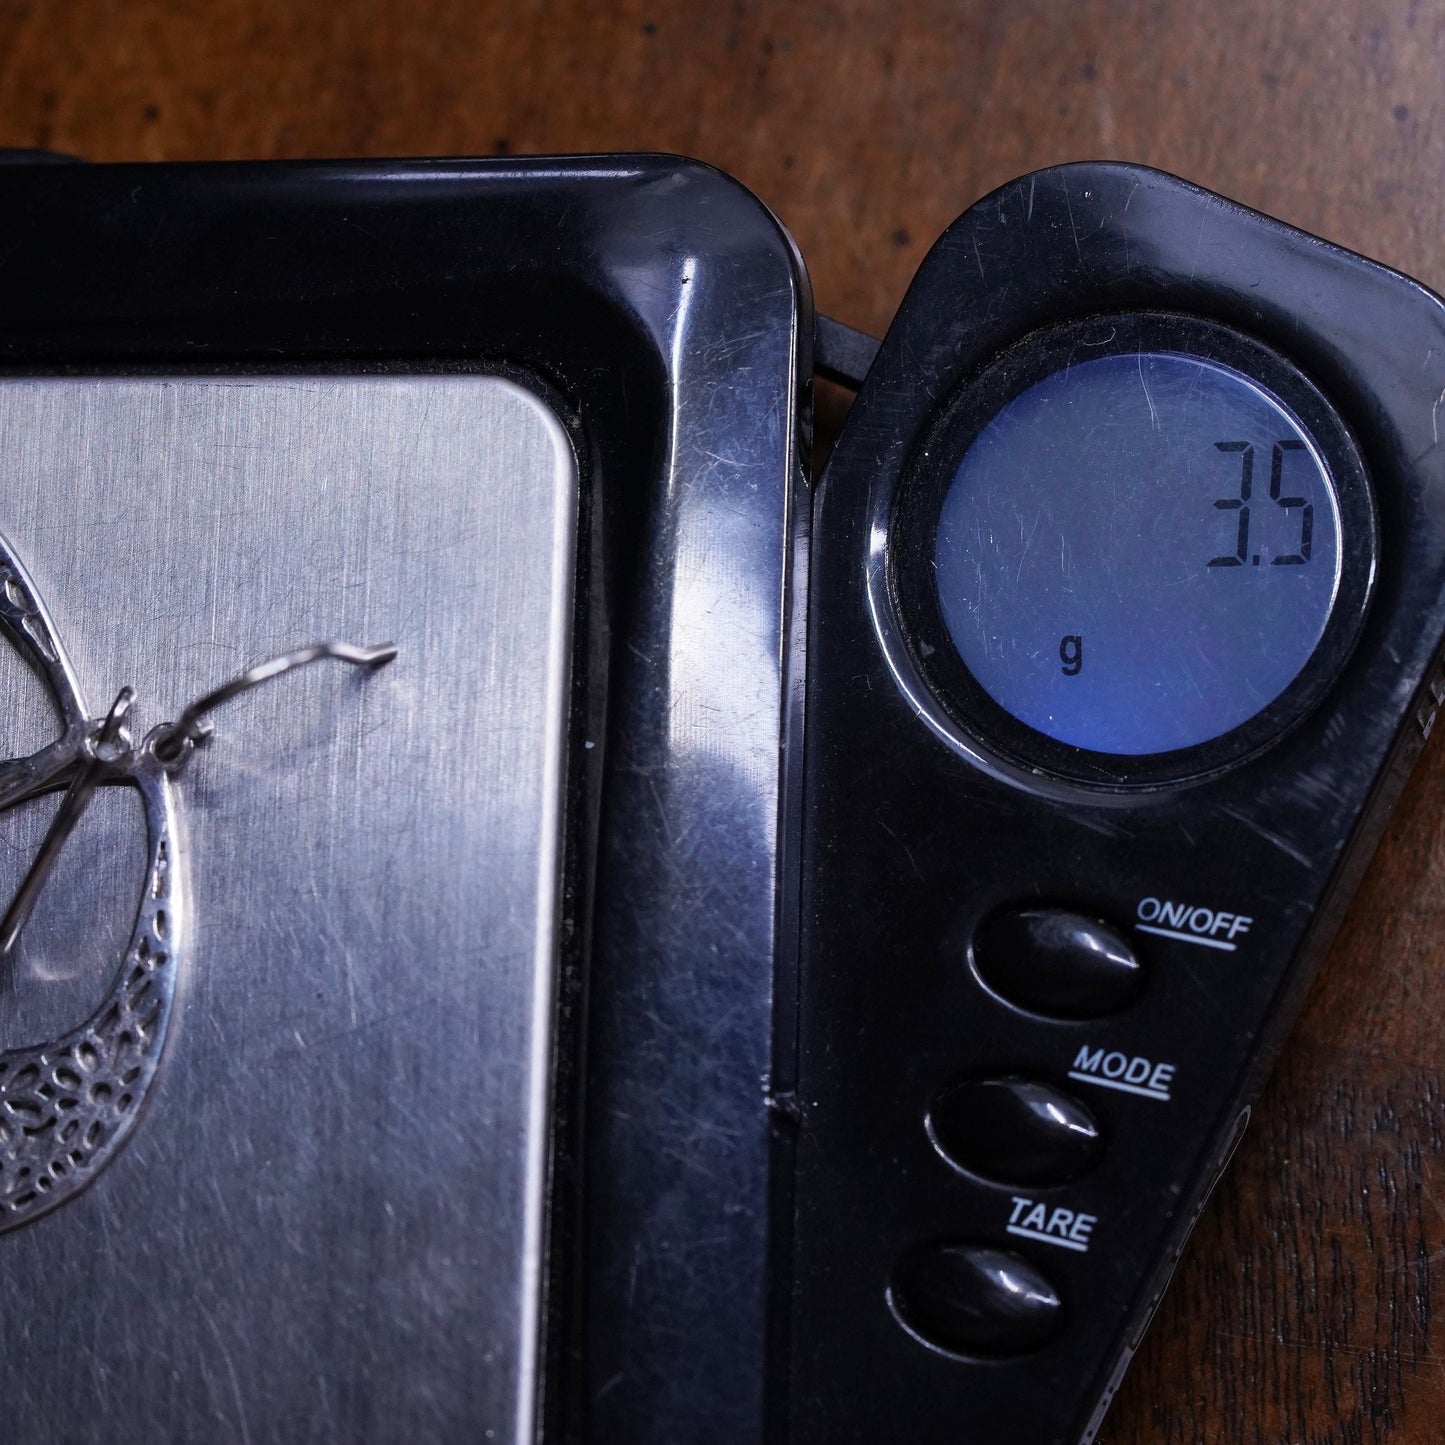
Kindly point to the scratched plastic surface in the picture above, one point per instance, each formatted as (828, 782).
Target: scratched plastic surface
(908, 852)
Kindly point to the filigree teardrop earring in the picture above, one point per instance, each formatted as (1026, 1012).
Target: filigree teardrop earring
(68, 1104)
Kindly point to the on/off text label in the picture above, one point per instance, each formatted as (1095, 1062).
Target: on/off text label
(1192, 923)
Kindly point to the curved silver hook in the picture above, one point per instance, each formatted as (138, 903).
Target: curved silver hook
(168, 742)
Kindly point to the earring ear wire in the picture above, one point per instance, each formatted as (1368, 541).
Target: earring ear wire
(170, 741)
(171, 744)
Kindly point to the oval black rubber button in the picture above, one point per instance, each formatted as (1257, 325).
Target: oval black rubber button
(1015, 1130)
(974, 1300)
(1054, 962)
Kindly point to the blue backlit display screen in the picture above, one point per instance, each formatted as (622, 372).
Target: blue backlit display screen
(1139, 552)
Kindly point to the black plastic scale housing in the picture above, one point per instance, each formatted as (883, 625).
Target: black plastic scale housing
(939, 850)
(831, 1019)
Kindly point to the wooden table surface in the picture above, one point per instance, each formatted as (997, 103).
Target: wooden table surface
(1304, 1310)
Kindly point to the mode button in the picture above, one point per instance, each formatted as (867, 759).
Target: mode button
(1057, 963)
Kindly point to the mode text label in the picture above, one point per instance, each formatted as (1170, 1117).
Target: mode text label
(1129, 1073)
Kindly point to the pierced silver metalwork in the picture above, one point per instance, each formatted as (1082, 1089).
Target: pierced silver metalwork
(68, 1105)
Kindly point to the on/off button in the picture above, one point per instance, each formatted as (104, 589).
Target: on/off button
(1057, 963)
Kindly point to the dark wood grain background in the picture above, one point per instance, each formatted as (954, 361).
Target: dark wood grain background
(1304, 1311)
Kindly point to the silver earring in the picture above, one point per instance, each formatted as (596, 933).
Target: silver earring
(68, 1105)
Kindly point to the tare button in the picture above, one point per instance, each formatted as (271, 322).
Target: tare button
(970, 1299)
(1051, 1224)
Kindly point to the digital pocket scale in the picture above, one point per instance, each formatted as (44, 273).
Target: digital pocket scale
(759, 966)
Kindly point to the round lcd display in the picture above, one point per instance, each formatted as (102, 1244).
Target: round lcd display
(1141, 546)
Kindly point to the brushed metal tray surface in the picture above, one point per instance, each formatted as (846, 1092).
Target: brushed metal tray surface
(328, 1223)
